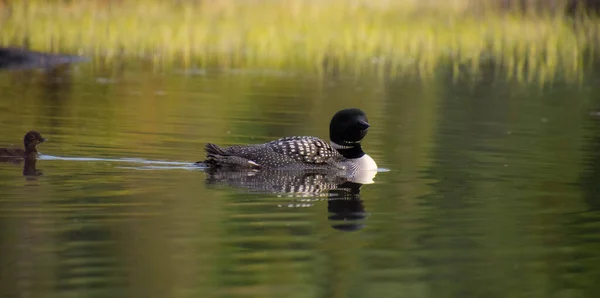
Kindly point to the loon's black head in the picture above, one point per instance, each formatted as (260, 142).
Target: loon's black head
(348, 127)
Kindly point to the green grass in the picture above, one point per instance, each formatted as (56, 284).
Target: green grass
(318, 36)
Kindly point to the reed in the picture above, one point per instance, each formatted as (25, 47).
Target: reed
(313, 35)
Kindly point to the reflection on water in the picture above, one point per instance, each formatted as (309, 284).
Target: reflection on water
(492, 188)
(305, 186)
(118, 160)
(29, 168)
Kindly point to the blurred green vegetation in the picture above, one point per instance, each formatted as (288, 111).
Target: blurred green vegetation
(382, 36)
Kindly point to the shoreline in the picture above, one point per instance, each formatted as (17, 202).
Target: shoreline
(380, 36)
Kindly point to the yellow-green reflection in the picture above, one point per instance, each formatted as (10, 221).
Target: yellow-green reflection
(492, 188)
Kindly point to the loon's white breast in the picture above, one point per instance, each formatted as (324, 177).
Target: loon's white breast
(365, 170)
(365, 163)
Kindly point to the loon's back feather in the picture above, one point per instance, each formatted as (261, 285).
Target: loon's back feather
(305, 149)
(219, 157)
(293, 152)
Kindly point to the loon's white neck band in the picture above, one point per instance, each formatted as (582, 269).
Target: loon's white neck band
(337, 146)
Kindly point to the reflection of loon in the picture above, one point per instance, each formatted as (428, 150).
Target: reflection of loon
(346, 207)
(343, 196)
(344, 154)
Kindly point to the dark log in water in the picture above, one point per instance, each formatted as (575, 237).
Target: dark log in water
(17, 58)
(569, 7)
(587, 6)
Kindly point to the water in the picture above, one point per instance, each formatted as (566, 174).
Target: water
(492, 188)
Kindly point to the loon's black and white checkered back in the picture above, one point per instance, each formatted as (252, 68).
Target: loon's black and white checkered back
(290, 152)
(305, 149)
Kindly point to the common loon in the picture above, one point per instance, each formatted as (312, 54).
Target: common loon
(346, 130)
(30, 141)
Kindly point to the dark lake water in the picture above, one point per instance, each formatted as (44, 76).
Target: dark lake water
(491, 187)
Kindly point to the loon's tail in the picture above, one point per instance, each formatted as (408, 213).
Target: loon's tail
(214, 149)
(216, 157)
(212, 152)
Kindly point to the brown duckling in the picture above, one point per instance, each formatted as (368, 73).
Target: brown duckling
(31, 140)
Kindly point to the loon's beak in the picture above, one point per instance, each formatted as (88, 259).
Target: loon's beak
(44, 139)
(363, 125)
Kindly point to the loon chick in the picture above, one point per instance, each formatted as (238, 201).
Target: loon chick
(31, 140)
(346, 130)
